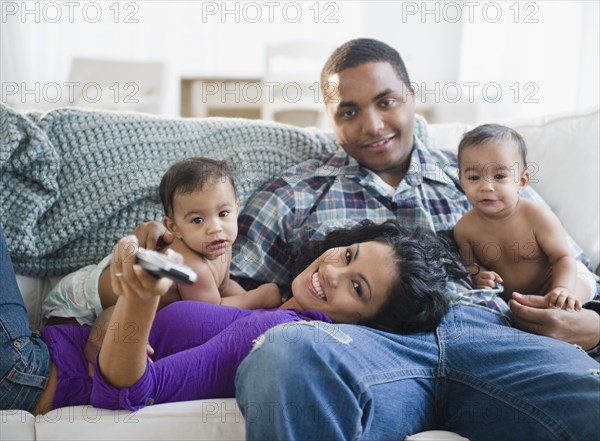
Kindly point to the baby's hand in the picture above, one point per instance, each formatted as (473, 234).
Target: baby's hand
(562, 298)
(487, 280)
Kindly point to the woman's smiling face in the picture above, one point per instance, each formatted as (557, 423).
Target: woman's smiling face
(349, 284)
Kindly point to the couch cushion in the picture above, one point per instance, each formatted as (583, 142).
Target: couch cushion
(189, 420)
(17, 425)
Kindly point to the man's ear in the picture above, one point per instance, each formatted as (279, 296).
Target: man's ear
(237, 206)
(525, 177)
(171, 226)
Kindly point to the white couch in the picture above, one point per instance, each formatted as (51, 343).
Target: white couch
(564, 153)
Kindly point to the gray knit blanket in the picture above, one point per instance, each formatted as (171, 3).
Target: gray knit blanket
(72, 182)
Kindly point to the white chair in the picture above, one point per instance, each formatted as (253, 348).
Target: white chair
(116, 85)
(291, 91)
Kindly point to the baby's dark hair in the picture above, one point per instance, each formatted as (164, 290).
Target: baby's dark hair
(357, 52)
(190, 175)
(496, 134)
(424, 262)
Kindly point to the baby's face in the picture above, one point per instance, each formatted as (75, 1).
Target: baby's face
(492, 176)
(206, 220)
(349, 284)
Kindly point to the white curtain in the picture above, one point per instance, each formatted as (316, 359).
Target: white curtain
(540, 57)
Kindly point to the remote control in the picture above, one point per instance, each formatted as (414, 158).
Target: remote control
(160, 265)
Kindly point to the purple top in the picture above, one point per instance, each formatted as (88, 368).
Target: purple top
(197, 350)
(66, 344)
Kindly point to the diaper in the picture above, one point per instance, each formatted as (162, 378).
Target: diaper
(76, 295)
(588, 278)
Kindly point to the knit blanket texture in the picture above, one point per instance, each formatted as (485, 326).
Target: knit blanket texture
(73, 181)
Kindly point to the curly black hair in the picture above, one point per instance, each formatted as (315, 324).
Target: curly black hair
(418, 300)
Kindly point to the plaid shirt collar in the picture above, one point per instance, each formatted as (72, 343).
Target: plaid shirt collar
(423, 166)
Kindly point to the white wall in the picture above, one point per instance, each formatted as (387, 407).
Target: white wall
(589, 60)
(495, 59)
(544, 60)
(429, 45)
(558, 53)
(191, 37)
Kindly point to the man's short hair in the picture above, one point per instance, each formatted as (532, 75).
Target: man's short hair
(357, 52)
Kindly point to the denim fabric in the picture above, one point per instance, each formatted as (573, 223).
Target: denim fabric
(475, 376)
(24, 357)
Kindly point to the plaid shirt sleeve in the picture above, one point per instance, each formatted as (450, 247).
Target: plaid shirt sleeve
(261, 252)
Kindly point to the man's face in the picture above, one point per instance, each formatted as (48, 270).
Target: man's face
(372, 114)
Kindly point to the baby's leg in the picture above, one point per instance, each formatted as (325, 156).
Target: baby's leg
(585, 285)
(585, 290)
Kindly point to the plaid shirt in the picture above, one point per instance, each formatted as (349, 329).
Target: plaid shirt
(334, 191)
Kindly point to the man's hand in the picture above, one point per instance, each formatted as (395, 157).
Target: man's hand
(487, 280)
(532, 315)
(153, 235)
(563, 299)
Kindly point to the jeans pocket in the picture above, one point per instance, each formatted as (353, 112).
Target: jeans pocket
(26, 378)
(10, 357)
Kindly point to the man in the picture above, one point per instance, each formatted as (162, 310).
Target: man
(377, 133)
(476, 375)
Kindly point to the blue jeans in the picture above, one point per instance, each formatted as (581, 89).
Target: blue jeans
(24, 357)
(475, 376)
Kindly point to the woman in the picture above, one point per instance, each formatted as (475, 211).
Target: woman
(382, 276)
